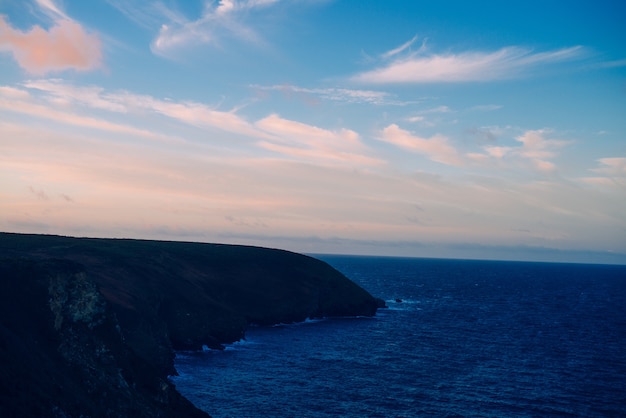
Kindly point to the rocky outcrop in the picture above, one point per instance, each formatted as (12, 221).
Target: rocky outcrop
(89, 325)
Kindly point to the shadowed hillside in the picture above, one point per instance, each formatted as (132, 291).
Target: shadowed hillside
(89, 325)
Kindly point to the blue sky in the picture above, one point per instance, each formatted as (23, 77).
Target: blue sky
(435, 129)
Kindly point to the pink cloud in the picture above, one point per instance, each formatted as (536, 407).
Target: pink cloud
(612, 171)
(299, 140)
(436, 148)
(64, 46)
(191, 113)
(543, 165)
(536, 151)
(497, 152)
(539, 149)
(612, 166)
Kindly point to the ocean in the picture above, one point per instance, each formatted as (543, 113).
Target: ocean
(459, 339)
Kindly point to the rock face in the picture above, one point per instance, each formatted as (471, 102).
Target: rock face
(89, 325)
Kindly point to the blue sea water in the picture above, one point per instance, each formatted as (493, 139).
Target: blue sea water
(469, 338)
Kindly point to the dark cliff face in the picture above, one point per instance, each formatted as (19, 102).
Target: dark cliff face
(89, 325)
(64, 353)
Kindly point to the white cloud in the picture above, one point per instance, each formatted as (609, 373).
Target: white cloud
(437, 147)
(49, 8)
(217, 21)
(351, 96)
(509, 62)
(399, 49)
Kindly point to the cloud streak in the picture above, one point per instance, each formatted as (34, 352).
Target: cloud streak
(437, 148)
(612, 172)
(299, 140)
(399, 49)
(66, 45)
(61, 102)
(217, 21)
(188, 112)
(470, 66)
(9, 103)
(342, 95)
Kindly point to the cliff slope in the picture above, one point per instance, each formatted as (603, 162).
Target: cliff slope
(89, 325)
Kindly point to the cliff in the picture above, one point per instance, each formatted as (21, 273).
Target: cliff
(89, 325)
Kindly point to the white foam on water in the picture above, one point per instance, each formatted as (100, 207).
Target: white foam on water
(401, 304)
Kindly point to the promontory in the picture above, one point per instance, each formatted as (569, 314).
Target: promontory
(89, 326)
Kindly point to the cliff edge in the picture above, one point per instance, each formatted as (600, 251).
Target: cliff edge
(89, 326)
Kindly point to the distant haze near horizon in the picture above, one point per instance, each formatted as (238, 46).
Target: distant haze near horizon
(449, 129)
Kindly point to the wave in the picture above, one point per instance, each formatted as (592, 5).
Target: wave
(401, 304)
(305, 322)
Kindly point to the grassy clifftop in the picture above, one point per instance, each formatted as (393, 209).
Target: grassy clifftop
(110, 312)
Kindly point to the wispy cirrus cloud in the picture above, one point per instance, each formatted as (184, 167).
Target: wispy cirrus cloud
(342, 95)
(217, 21)
(65, 45)
(469, 66)
(145, 16)
(395, 51)
(50, 9)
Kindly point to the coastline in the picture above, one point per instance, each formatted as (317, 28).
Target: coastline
(99, 319)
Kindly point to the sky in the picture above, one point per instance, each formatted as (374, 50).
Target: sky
(457, 129)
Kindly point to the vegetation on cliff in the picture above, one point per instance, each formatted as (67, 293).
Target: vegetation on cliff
(89, 325)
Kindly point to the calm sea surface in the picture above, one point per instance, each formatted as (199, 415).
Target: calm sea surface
(470, 338)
